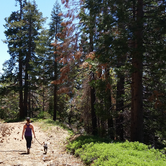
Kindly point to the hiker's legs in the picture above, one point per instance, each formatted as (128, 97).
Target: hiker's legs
(28, 141)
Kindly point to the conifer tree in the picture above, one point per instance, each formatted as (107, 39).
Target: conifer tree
(22, 29)
(22, 4)
(128, 39)
(14, 39)
(33, 19)
(55, 28)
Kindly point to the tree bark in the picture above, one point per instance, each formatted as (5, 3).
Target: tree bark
(137, 90)
(92, 92)
(27, 68)
(108, 106)
(93, 112)
(120, 107)
(55, 92)
(43, 99)
(55, 78)
(21, 109)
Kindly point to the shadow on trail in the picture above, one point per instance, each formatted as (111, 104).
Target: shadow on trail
(12, 151)
(24, 153)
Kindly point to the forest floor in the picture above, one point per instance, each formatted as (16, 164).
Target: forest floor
(13, 150)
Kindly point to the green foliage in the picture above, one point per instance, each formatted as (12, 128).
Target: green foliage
(99, 152)
(112, 26)
(8, 103)
(49, 122)
(31, 66)
(82, 140)
(43, 115)
(22, 31)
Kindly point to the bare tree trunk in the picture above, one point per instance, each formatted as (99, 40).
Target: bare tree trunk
(32, 105)
(93, 95)
(93, 112)
(137, 91)
(55, 102)
(27, 68)
(120, 107)
(109, 105)
(43, 99)
(26, 91)
(21, 109)
(55, 86)
(29, 103)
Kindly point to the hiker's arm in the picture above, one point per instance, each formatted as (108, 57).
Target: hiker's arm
(23, 131)
(33, 132)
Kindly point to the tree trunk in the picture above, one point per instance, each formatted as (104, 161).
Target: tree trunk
(92, 93)
(27, 69)
(109, 105)
(29, 103)
(55, 78)
(119, 107)
(21, 109)
(55, 102)
(93, 112)
(26, 90)
(137, 91)
(43, 99)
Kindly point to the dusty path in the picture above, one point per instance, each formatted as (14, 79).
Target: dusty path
(13, 148)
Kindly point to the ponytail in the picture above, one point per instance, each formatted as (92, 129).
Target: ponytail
(28, 119)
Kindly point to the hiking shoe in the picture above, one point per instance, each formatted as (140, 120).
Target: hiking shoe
(28, 150)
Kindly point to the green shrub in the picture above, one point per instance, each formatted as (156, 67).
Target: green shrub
(44, 115)
(99, 152)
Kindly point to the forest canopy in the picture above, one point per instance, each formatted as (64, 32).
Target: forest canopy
(99, 67)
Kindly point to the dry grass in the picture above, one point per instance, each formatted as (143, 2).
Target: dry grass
(5, 130)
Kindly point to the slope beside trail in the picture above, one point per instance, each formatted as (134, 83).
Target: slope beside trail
(13, 148)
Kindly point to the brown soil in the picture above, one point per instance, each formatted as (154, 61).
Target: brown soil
(13, 149)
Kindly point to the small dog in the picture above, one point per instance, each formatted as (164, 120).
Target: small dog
(45, 147)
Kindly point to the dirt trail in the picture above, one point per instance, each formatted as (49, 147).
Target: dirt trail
(13, 148)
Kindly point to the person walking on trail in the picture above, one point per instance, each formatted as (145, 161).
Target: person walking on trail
(27, 132)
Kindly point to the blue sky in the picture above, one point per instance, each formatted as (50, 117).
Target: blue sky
(7, 6)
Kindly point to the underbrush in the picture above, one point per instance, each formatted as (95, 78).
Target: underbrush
(46, 123)
(100, 152)
(14, 120)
